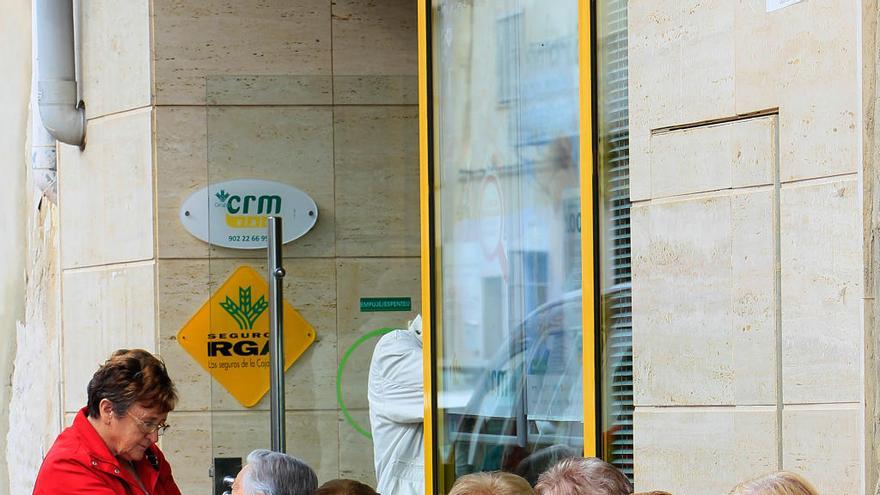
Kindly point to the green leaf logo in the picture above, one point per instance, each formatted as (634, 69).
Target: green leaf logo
(222, 195)
(244, 312)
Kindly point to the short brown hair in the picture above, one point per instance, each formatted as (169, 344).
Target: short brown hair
(131, 376)
(492, 483)
(579, 476)
(779, 483)
(344, 487)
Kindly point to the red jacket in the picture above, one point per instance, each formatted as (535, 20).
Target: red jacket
(80, 463)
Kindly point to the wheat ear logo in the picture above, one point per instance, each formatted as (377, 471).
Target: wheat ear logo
(244, 312)
(222, 196)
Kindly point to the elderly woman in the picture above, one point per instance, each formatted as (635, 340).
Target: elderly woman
(779, 483)
(274, 473)
(110, 448)
(583, 476)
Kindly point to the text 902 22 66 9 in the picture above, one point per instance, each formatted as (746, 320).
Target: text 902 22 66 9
(247, 238)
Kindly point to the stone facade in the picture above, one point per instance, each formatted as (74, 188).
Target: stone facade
(748, 261)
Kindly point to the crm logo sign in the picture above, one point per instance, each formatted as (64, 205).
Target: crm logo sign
(233, 213)
(249, 211)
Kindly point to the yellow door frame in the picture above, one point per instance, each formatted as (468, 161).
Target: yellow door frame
(588, 254)
(425, 198)
(430, 253)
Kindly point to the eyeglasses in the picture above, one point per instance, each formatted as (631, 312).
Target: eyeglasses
(149, 428)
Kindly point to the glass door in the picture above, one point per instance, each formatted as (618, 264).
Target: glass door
(508, 305)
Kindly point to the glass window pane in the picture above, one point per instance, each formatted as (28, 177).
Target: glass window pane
(509, 357)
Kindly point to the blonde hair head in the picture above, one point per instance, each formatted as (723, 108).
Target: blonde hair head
(492, 483)
(579, 476)
(779, 483)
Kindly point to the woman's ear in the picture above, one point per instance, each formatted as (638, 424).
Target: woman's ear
(105, 409)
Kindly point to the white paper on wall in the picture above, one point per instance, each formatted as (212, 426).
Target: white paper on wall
(778, 4)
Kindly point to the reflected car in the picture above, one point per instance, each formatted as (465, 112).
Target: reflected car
(526, 409)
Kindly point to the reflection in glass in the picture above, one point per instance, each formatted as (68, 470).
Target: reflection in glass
(509, 355)
(616, 329)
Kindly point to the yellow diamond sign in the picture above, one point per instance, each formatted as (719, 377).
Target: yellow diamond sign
(229, 336)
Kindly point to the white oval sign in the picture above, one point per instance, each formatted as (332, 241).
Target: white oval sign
(233, 213)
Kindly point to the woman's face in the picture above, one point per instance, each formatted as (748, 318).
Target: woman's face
(237, 488)
(133, 432)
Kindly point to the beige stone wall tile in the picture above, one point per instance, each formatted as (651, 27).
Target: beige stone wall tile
(356, 450)
(217, 37)
(669, 35)
(183, 289)
(106, 192)
(819, 136)
(310, 287)
(654, 35)
(104, 309)
(755, 29)
(809, 74)
(313, 436)
(292, 145)
(195, 438)
(269, 90)
(703, 334)
(374, 38)
(824, 443)
(181, 169)
(115, 56)
(753, 308)
(639, 162)
(702, 450)
(821, 264)
(187, 447)
(358, 278)
(754, 151)
(377, 178)
(708, 158)
(376, 90)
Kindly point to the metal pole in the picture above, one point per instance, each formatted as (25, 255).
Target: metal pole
(276, 335)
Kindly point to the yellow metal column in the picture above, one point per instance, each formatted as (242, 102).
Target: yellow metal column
(585, 35)
(425, 212)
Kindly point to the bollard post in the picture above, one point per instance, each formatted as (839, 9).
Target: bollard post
(276, 335)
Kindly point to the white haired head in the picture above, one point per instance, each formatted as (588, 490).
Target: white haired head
(274, 473)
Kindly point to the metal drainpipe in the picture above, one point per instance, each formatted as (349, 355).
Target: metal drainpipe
(43, 159)
(61, 110)
(43, 163)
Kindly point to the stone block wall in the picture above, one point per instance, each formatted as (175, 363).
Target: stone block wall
(748, 290)
(106, 206)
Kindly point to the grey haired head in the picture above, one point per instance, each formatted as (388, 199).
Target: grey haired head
(274, 473)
